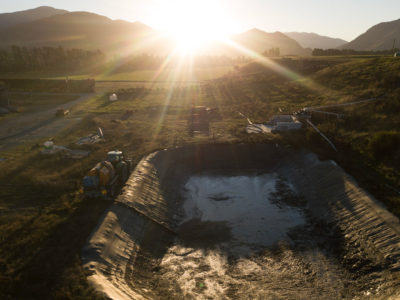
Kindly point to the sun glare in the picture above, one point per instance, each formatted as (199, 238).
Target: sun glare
(192, 24)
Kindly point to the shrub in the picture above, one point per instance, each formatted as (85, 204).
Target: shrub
(384, 144)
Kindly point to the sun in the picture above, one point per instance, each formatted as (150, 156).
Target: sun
(192, 24)
(194, 38)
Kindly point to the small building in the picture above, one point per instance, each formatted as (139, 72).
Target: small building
(397, 54)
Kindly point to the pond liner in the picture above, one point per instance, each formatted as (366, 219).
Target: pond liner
(150, 208)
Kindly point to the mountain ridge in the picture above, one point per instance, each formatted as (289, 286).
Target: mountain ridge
(313, 40)
(259, 41)
(24, 16)
(377, 37)
(92, 31)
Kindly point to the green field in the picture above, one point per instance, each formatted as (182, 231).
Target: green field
(44, 222)
(33, 102)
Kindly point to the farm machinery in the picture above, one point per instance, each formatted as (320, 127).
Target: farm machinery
(295, 120)
(200, 118)
(106, 178)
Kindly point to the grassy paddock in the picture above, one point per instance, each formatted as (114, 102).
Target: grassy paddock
(49, 85)
(35, 102)
(168, 74)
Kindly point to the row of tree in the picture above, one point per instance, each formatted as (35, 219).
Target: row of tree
(48, 58)
(341, 52)
(273, 52)
(59, 59)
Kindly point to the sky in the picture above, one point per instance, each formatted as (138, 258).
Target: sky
(338, 19)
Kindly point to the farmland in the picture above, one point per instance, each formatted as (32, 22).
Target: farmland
(107, 73)
(44, 221)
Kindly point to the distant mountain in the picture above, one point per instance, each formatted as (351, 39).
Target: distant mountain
(10, 19)
(260, 41)
(81, 30)
(313, 40)
(91, 31)
(378, 37)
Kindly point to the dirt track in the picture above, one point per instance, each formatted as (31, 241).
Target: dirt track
(31, 126)
(149, 244)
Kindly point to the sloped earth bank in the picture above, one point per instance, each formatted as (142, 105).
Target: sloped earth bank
(244, 222)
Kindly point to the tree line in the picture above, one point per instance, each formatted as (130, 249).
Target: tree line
(272, 52)
(59, 59)
(62, 60)
(341, 52)
(150, 62)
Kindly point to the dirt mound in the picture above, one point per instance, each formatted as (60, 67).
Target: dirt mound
(233, 221)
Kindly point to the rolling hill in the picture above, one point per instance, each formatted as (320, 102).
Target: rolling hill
(313, 40)
(14, 18)
(378, 37)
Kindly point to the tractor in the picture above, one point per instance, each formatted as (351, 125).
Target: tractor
(107, 177)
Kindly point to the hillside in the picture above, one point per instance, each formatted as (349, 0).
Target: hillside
(313, 40)
(370, 75)
(80, 30)
(259, 41)
(378, 37)
(91, 31)
(14, 18)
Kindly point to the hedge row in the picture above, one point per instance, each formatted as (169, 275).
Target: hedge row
(49, 85)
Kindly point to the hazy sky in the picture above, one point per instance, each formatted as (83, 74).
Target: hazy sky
(338, 18)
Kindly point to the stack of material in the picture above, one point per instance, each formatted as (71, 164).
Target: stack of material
(113, 97)
(50, 148)
(92, 138)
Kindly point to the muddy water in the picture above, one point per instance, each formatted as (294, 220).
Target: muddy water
(244, 203)
(265, 249)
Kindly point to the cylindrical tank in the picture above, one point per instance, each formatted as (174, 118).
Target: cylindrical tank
(105, 171)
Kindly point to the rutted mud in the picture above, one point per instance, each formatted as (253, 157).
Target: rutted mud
(234, 222)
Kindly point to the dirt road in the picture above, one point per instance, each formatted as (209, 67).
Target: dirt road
(31, 126)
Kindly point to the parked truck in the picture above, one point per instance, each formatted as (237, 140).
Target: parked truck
(106, 178)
